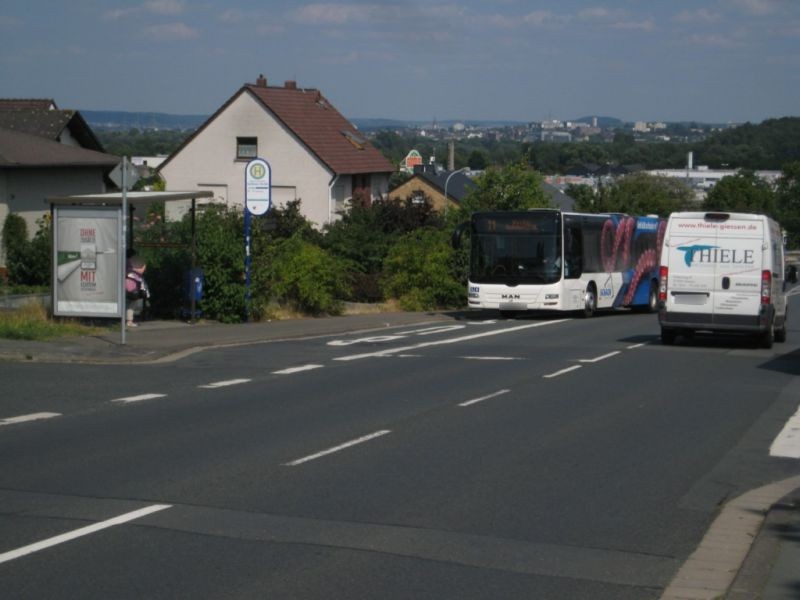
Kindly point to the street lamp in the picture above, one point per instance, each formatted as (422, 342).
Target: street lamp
(446, 181)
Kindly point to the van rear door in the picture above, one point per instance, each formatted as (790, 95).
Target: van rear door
(691, 281)
(738, 260)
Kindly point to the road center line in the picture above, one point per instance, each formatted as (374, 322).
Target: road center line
(482, 398)
(599, 358)
(66, 537)
(26, 418)
(787, 442)
(636, 346)
(360, 440)
(463, 338)
(219, 384)
(139, 398)
(562, 371)
(291, 370)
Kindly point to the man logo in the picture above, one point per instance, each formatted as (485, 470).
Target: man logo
(509, 296)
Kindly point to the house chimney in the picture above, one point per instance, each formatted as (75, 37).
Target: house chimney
(290, 85)
(261, 81)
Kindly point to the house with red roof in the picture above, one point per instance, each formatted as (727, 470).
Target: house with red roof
(315, 154)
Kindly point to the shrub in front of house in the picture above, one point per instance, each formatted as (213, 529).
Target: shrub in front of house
(419, 272)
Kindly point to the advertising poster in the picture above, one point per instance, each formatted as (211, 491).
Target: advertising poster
(87, 278)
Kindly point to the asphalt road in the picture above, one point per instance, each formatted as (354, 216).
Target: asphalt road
(525, 458)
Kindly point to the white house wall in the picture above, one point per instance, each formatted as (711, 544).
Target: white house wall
(209, 162)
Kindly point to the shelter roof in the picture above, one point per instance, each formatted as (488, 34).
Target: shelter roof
(133, 198)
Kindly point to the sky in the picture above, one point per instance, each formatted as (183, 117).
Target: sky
(712, 61)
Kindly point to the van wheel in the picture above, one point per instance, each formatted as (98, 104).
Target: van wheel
(765, 339)
(589, 301)
(668, 337)
(780, 334)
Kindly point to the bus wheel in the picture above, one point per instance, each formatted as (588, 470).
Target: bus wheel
(589, 301)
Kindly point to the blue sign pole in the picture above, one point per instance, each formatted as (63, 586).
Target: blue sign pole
(246, 264)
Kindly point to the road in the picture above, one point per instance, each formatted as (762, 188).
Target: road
(524, 458)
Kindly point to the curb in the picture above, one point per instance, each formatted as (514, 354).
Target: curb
(710, 571)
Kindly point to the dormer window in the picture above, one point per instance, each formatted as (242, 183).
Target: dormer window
(246, 147)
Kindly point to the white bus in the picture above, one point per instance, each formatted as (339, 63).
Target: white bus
(546, 260)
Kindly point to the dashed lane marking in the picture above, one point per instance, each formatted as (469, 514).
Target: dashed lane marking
(26, 418)
(562, 372)
(139, 398)
(299, 369)
(220, 384)
(482, 398)
(338, 448)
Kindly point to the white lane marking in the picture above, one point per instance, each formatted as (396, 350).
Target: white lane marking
(219, 384)
(139, 398)
(66, 537)
(366, 340)
(463, 338)
(562, 371)
(431, 330)
(599, 358)
(492, 358)
(787, 443)
(360, 440)
(291, 370)
(26, 418)
(488, 322)
(482, 398)
(636, 346)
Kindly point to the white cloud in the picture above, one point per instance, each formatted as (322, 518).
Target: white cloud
(714, 40)
(758, 7)
(646, 25)
(696, 16)
(164, 7)
(171, 32)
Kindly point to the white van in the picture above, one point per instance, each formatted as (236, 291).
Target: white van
(722, 272)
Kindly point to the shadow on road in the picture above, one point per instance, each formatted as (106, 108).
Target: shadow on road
(785, 363)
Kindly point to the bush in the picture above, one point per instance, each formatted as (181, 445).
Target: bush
(303, 276)
(420, 272)
(28, 261)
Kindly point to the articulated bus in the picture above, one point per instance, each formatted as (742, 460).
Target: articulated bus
(546, 260)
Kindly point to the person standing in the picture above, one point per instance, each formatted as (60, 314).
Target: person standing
(136, 290)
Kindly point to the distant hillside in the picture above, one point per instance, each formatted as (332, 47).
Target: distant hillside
(111, 120)
(768, 145)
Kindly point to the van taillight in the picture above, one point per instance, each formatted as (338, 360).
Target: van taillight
(663, 272)
(766, 286)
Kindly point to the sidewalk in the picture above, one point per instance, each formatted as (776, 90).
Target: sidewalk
(751, 551)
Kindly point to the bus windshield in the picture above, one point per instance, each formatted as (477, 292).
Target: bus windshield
(516, 248)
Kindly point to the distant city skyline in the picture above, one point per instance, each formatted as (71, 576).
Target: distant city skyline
(710, 61)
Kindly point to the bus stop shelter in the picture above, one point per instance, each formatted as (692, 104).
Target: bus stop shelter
(91, 235)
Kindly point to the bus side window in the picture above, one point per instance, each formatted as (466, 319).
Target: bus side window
(573, 251)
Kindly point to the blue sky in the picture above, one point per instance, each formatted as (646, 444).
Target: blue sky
(667, 60)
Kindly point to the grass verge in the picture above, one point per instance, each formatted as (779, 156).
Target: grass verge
(30, 322)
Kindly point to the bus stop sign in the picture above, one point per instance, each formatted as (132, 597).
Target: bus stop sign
(258, 186)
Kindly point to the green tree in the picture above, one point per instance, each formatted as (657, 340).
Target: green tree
(419, 271)
(787, 200)
(743, 192)
(643, 194)
(513, 187)
(477, 160)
